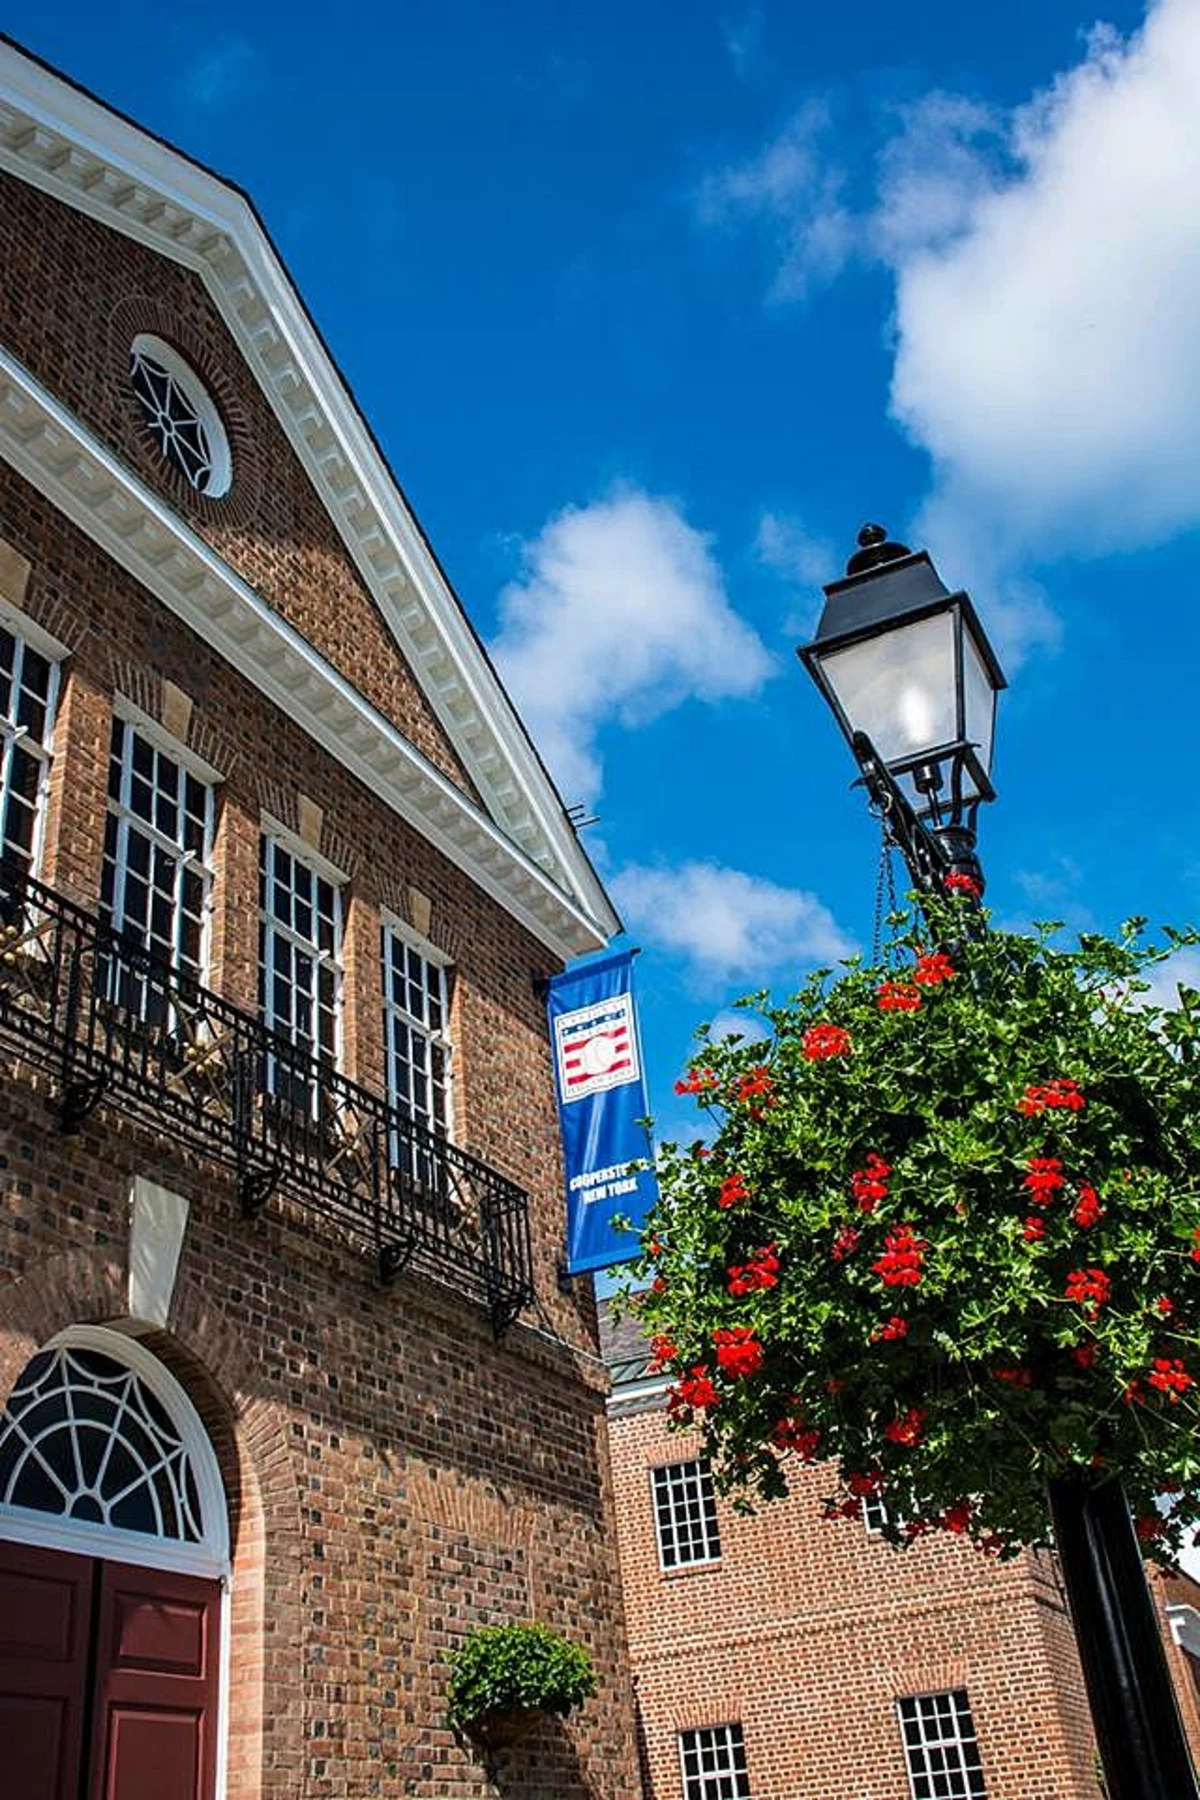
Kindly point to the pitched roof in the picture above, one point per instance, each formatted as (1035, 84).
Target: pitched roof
(622, 1345)
(520, 846)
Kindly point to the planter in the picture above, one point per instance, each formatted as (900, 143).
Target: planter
(500, 1729)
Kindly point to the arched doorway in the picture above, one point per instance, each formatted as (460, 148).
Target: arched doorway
(114, 1560)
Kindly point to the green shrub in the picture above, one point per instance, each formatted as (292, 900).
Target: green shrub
(501, 1667)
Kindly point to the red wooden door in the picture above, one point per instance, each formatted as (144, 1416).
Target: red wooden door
(45, 1611)
(154, 1734)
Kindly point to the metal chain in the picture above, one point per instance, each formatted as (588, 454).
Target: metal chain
(885, 890)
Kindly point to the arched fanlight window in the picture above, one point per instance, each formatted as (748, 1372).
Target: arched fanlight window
(183, 419)
(97, 1435)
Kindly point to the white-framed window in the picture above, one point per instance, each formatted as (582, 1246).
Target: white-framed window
(416, 1017)
(28, 697)
(300, 962)
(874, 1513)
(182, 418)
(713, 1761)
(156, 880)
(940, 1747)
(685, 1514)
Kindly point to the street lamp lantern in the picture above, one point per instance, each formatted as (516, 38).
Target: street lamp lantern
(912, 680)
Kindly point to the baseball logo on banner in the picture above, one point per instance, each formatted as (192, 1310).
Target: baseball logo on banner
(601, 1110)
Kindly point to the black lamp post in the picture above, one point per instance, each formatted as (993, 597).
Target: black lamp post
(913, 681)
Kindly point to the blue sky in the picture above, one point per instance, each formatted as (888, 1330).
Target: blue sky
(651, 306)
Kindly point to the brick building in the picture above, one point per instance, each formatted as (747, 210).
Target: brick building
(784, 1657)
(291, 1396)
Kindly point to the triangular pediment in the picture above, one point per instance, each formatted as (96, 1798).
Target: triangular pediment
(515, 838)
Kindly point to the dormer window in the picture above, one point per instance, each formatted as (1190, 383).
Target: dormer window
(184, 423)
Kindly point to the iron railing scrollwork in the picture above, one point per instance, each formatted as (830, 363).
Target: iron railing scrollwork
(112, 1023)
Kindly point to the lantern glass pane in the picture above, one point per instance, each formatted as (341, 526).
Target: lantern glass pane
(979, 700)
(898, 687)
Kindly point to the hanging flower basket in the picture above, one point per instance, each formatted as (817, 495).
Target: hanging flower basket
(503, 1678)
(945, 1237)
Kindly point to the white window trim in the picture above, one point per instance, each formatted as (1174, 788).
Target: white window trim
(158, 735)
(210, 1557)
(957, 1741)
(316, 864)
(397, 928)
(43, 750)
(726, 1725)
(128, 820)
(681, 1566)
(220, 469)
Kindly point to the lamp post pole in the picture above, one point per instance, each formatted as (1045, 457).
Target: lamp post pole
(912, 680)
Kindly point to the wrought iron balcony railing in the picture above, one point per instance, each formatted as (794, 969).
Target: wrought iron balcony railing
(112, 1023)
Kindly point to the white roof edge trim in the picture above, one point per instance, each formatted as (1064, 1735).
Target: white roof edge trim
(56, 453)
(261, 307)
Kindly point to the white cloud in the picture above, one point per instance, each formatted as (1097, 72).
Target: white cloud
(1046, 268)
(792, 190)
(744, 40)
(802, 560)
(620, 613)
(219, 74)
(737, 1024)
(726, 924)
(1165, 977)
(1047, 355)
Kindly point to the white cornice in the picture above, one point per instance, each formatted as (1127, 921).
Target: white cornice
(71, 146)
(85, 481)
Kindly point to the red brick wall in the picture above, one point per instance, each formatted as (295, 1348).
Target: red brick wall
(393, 1475)
(808, 1632)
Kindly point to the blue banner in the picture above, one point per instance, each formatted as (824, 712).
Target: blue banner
(601, 1099)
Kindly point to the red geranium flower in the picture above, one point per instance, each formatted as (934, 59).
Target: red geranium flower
(1083, 1354)
(933, 969)
(1033, 1230)
(863, 1485)
(793, 1434)
(1169, 1375)
(762, 1271)
(957, 1518)
(733, 1191)
(1022, 1378)
(756, 1084)
(908, 1429)
(894, 1329)
(958, 883)
(900, 1265)
(1149, 1527)
(738, 1351)
(698, 1082)
(1088, 1210)
(823, 1041)
(696, 1389)
(845, 1243)
(1044, 1179)
(1089, 1288)
(1165, 1305)
(663, 1352)
(870, 1183)
(899, 996)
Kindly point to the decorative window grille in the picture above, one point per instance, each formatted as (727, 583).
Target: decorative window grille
(416, 1021)
(28, 693)
(713, 1759)
(184, 424)
(941, 1747)
(300, 967)
(685, 1513)
(157, 872)
(83, 1438)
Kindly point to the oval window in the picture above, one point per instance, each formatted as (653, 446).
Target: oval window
(184, 423)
